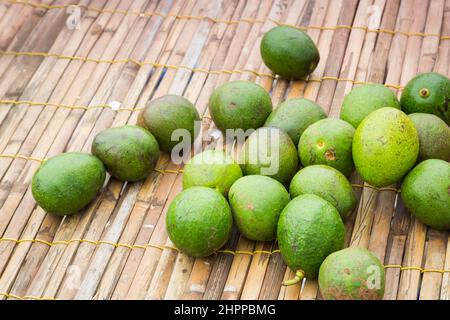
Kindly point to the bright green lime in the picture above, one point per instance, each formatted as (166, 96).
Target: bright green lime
(329, 142)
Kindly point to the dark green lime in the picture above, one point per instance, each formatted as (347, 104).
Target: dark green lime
(426, 193)
(363, 100)
(164, 115)
(434, 136)
(427, 93)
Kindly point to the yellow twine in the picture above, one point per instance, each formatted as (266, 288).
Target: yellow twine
(220, 20)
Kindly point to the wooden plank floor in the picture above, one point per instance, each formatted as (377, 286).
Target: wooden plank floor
(69, 69)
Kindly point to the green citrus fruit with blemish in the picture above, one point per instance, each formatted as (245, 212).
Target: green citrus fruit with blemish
(363, 100)
(199, 221)
(427, 93)
(270, 152)
(129, 153)
(166, 114)
(328, 142)
(385, 147)
(352, 274)
(239, 105)
(426, 193)
(289, 52)
(293, 116)
(66, 183)
(309, 229)
(213, 169)
(256, 202)
(327, 183)
(434, 136)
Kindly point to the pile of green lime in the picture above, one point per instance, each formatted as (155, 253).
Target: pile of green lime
(264, 191)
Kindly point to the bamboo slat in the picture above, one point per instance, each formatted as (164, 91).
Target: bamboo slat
(127, 52)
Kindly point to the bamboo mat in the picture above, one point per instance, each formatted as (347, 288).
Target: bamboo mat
(69, 69)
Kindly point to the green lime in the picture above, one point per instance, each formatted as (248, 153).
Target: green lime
(329, 142)
(212, 168)
(289, 52)
(363, 100)
(164, 115)
(427, 93)
(293, 116)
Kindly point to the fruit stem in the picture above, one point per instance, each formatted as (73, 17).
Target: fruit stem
(299, 275)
